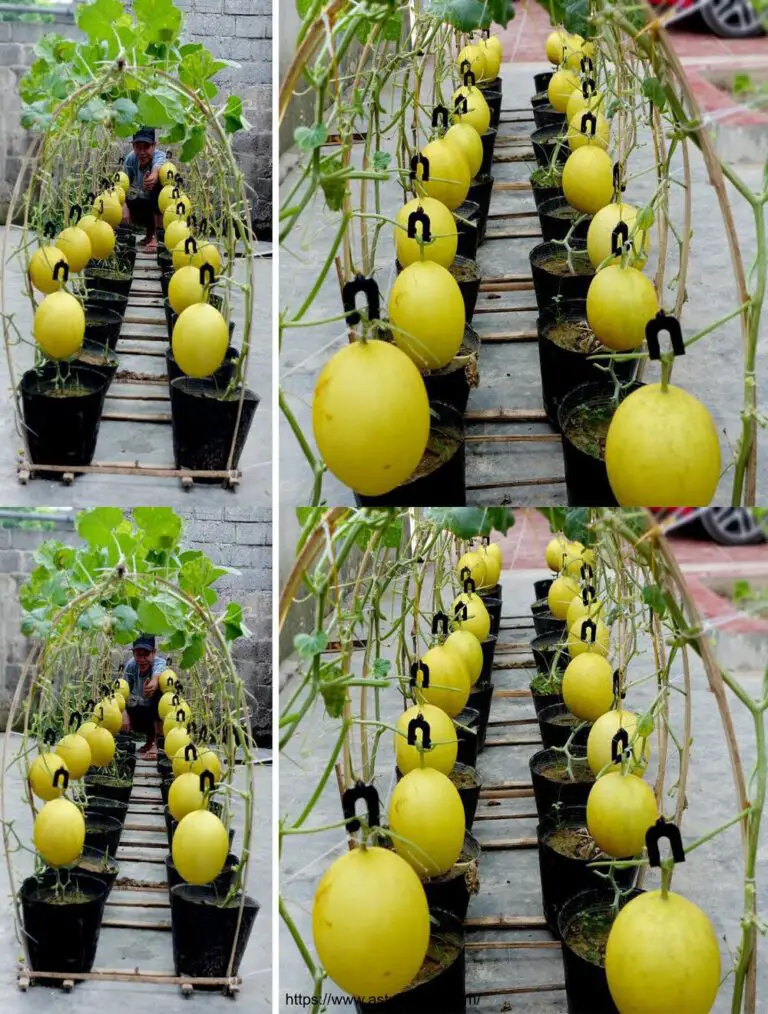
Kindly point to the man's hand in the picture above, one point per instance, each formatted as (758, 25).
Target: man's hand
(151, 686)
(126, 213)
(126, 722)
(150, 180)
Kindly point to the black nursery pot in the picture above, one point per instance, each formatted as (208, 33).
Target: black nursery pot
(170, 825)
(557, 723)
(165, 278)
(451, 385)
(586, 985)
(441, 480)
(543, 194)
(220, 884)
(103, 785)
(165, 787)
(545, 140)
(204, 933)
(492, 94)
(204, 424)
(443, 991)
(493, 605)
(62, 431)
(480, 698)
(489, 147)
(451, 893)
(551, 277)
(91, 863)
(563, 369)
(541, 81)
(549, 651)
(467, 276)
(100, 358)
(220, 378)
(541, 588)
(540, 98)
(99, 299)
(545, 115)
(102, 325)
(108, 807)
(557, 217)
(480, 192)
(548, 791)
(584, 416)
(469, 211)
(564, 876)
(101, 832)
(467, 783)
(546, 623)
(543, 701)
(62, 938)
(489, 652)
(108, 280)
(467, 725)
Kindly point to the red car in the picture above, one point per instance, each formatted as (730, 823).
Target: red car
(730, 19)
(728, 526)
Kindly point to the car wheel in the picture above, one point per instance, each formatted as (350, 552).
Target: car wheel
(731, 526)
(732, 19)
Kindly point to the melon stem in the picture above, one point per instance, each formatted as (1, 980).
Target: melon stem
(666, 371)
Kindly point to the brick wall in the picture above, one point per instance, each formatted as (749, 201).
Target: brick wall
(238, 30)
(233, 537)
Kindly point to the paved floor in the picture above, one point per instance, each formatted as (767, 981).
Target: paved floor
(149, 443)
(149, 950)
(509, 880)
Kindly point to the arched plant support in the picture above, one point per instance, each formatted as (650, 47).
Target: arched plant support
(80, 148)
(377, 577)
(79, 649)
(373, 112)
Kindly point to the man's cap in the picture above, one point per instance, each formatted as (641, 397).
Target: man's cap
(145, 641)
(145, 134)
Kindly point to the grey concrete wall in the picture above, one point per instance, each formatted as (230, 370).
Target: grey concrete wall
(238, 30)
(233, 537)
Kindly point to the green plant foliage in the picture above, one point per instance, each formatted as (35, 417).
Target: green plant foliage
(468, 15)
(471, 522)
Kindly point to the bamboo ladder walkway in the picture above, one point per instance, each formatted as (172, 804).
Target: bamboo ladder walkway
(509, 801)
(513, 147)
(145, 818)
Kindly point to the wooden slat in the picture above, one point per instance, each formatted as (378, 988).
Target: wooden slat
(513, 742)
(522, 286)
(514, 234)
(130, 924)
(521, 692)
(512, 185)
(136, 903)
(510, 922)
(512, 945)
(507, 415)
(506, 816)
(514, 438)
(120, 975)
(500, 337)
(139, 397)
(132, 351)
(509, 844)
(523, 156)
(164, 419)
(553, 987)
(516, 483)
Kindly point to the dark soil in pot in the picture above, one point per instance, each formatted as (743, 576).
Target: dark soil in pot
(99, 865)
(549, 652)
(480, 192)
(584, 924)
(467, 724)
(468, 278)
(452, 384)
(557, 725)
(98, 299)
(204, 424)
(452, 891)
(551, 782)
(101, 832)
(204, 932)
(108, 279)
(102, 325)
(467, 215)
(554, 277)
(62, 422)
(557, 218)
(545, 115)
(220, 884)
(62, 930)
(468, 784)
(565, 345)
(99, 358)
(565, 853)
(489, 147)
(109, 807)
(440, 984)
(109, 787)
(480, 698)
(546, 140)
(439, 479)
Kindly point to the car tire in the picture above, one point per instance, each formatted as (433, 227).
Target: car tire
(732, 19)
(731, 526)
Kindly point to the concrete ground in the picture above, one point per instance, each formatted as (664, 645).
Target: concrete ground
(509, 372)
(149, 950)
(509, 880)
(149, 443)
